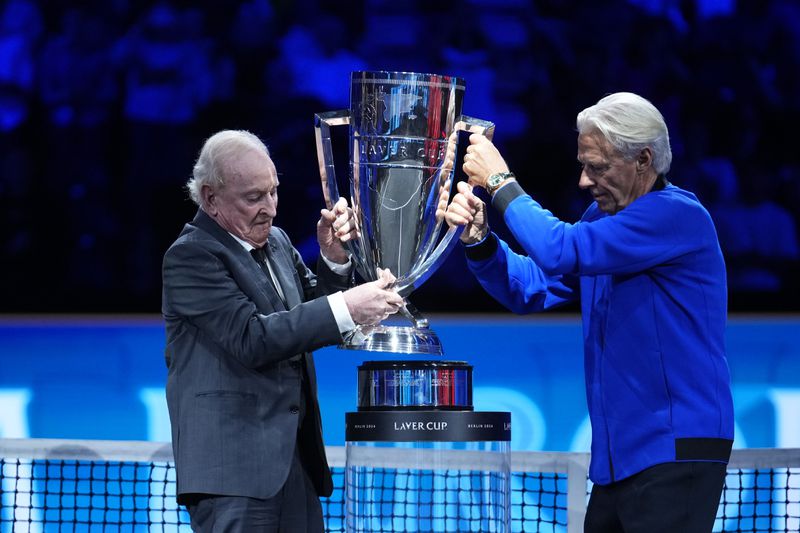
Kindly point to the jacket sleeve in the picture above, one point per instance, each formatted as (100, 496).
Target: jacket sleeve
(324, 282)
(657, 228)
(199, 288)
(329, 282)
(516, 281)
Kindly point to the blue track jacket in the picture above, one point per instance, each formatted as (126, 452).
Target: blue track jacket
(652, 285)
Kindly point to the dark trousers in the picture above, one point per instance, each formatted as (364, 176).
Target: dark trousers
(667, 498)
(294, 509)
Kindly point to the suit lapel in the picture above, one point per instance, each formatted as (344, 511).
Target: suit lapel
(207, 224)
(283, 267)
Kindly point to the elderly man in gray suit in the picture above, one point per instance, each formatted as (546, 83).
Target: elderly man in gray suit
(243, 313)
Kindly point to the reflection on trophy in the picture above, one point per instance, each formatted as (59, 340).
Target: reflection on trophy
(403, 152)
(403, 155)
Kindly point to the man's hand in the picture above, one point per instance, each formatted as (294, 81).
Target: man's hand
(372, 302)
(469, 211)
(336, 226)
(481, 160)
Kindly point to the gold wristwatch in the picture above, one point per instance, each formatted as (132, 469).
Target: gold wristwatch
(495, 180)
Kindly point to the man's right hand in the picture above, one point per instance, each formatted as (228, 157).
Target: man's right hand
(372, 302)
(469, 211)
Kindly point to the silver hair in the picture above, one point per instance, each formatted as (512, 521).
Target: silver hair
(630, 123)
(215, 156)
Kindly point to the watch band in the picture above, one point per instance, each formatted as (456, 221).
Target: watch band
(494, 181)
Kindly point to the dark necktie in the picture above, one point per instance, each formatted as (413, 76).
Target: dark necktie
(260, 255)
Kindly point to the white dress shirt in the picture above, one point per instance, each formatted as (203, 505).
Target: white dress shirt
(336, 300)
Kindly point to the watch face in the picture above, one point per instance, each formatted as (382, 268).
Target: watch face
(495, 180)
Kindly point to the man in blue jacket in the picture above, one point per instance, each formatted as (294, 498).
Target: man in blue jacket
(646, 264)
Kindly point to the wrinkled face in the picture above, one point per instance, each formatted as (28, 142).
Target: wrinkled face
(613, 181)
(248, 201)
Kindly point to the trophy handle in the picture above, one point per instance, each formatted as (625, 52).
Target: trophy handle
(475, 125)
(425, 270)
(327, 172)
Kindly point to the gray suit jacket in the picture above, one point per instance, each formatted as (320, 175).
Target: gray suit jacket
(236, 356)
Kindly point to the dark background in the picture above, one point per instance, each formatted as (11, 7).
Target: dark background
(105, 104)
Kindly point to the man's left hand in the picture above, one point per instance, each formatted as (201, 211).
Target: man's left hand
(469, 211)
(335, 227)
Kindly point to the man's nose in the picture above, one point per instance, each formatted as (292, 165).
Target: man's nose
(584, 182)
(270, 206)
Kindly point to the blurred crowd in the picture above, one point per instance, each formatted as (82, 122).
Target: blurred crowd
(105, 103)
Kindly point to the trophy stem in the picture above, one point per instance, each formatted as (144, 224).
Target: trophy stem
(412, 313)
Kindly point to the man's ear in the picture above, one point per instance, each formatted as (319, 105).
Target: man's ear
(644, 160)
(209, 198)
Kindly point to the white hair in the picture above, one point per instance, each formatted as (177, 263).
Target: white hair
(630, 123)
(215, 156)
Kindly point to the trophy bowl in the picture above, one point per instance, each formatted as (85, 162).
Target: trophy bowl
(403, 148)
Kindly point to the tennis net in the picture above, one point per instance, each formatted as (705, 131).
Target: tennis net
(70, 485)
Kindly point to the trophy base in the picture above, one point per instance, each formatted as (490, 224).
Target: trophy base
(393, 339)
(415, 385)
